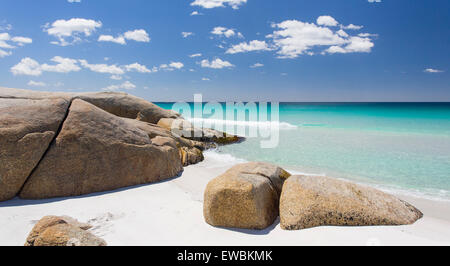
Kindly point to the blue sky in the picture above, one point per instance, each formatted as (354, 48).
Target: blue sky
(284, 50)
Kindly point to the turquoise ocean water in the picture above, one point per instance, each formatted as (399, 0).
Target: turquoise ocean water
(399, 147)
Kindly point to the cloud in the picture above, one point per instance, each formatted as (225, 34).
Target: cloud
(256, 65)
(172, 66)
(352, 27)
(186, 34)
(22, 40)
(71, 29)
(176, 65)
(222, 31)
(27, 66)
(205, 79)
(374, 1)
(249, 47)
(195, 55)
(367, 35)
(327, 21)
(4, 53)
(64, 65)
(127, 85)
(74, 1)
(356, 45)
(235, 4)
(342, 33)
(137, 67)
(116, 77)
(293, 38)
(196, 13)
(216, 64)
(137, 35)
(5, 43)
(109, 38)
(431, 70)
(31, 67)
(102, 68)
(36, 84)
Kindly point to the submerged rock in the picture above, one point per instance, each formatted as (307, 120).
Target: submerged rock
(62, 231)
(246, 196)
(26, 129)
(96, 151)
(320, 201)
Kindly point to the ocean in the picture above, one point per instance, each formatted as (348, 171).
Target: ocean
(397, 147)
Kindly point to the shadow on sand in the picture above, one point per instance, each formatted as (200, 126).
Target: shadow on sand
(254, 232)
(17, 202)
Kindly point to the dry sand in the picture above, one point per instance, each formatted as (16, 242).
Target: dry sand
(171, 213)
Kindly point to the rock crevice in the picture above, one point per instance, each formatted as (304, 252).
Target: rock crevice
(48, 146)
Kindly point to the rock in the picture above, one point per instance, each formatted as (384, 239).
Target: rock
(49, 221)
(66, 235)
(185, 129)
(96, 151)
(26, 129)
(128, 106)
(320, 201)
(190, 151)
(191, 155)
(62, 231)
(117, 103)
(246, 196)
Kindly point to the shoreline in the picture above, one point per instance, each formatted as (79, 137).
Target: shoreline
(170, 213)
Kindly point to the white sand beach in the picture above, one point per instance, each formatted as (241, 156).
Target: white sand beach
(171, 213)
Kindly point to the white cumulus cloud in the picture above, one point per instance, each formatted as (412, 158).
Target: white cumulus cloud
(7, 41)
(36, 83)
(137, 35)
(109, 38)
(216, 64)
(235, 4)
(327, 21)
(293, 38)
(225, 32)
(172, 66)
(30, 67)
(137, 67)
(71, 29)
(127, 85)
(249, 47)
(102, 68)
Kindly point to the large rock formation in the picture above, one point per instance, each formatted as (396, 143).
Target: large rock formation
(62, 231)
(317, 201)
(26, 129)
(246, 196)
(96, 151)
(120, 104)
(105, 141)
